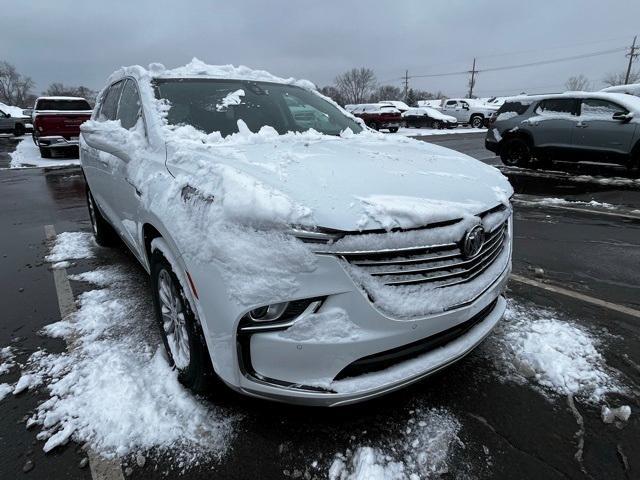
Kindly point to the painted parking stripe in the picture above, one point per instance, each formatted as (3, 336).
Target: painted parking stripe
(576, 295)
(529, 203)
(101, 468)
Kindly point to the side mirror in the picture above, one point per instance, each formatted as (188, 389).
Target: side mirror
(8, 115)
(105, 142)
(622, 116)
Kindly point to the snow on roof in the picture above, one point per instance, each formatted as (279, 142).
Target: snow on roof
(628, 101)
(59, 98)
(198, 69)
(13, 111)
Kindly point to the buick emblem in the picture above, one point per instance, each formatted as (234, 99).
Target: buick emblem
(472, 242)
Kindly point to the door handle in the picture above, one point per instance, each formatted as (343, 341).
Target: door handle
(138, 193)
(582, 125)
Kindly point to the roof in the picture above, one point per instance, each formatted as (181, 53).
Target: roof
(198, 69)
(60, 98)
(628, 101)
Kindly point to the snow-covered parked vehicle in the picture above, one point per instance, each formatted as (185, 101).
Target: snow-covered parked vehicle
(379, 116)
(572, 126)
(468, 110)
(291, 260)
(421, 117)
(56, 122)
(12, 123)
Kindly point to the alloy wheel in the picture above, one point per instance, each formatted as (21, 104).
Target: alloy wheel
(173, 320)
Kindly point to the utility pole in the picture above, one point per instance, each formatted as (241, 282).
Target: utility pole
(406, 84)
(632, 54)
(472, 82)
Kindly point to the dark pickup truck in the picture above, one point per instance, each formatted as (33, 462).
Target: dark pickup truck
(56, 122)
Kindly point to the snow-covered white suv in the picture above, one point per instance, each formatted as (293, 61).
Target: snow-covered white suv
(468, 110)
(310, 261)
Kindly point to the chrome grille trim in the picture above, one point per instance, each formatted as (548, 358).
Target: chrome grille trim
(443, 265)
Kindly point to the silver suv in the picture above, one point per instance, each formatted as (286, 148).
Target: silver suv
(576, 126)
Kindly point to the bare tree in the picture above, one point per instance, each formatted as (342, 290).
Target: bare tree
(386, 92)
(618, 78)
(15, 89)
(333, 93)
(356, 85)
(60, 89)
(578, 83)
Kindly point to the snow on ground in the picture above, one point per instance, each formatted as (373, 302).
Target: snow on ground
(558, 174)
(563, 202)
(27, 154)
(419, 132)
(536, 345)
(114, 389)
(72, 245)
(5, 389)
(421, 449)
(6, 360)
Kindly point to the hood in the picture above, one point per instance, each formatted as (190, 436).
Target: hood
(366, 181)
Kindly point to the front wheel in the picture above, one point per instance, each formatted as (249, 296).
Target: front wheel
(515, 153)
(437, 125)
(374, 125)
(393, 129)
(181, 334)
(477, 121)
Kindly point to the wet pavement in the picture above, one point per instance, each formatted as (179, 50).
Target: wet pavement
(508, 430)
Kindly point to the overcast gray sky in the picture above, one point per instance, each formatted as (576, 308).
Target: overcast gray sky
(82, 42)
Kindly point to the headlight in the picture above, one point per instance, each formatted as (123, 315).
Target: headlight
(278, 316)
(268, 313)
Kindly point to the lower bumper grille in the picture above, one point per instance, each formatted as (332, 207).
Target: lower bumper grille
(389, 358)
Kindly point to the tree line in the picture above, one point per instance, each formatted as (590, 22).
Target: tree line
(17, 89)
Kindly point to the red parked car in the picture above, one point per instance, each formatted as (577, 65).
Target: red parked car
(56, 122)
(379, 116)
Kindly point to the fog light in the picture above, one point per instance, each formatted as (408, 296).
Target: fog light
(268, 313)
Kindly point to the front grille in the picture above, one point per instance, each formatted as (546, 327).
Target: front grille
(443, 265)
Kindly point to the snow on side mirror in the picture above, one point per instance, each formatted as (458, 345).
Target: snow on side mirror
(104, 141)
(622, 116)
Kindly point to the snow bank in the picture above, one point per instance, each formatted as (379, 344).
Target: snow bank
(562, 201)
(7, 360)
(422, 449)
(535, 345)
(115, 390)
(5, 389)
(27, 154)
(72, 245)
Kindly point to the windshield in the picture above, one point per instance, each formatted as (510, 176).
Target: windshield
(64, 105)
(216, 106)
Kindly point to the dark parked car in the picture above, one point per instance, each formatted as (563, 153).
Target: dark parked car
(577, 126)
(425, 117)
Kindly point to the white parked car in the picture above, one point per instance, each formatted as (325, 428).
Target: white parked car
(468, 111)
(292, 260)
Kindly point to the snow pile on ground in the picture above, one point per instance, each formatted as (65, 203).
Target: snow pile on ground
(6, 360)
(562, 201)
(114, 389)
(72, 245)
(422, 449)
(536, 345)
(5, 389)
(27, 154)
(421, 132)
(609, 415)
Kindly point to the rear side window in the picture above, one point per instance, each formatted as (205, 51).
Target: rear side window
(557, 106)
(109, 106)
(63, 105)
(596, 108)
(451, 103)
(512, 109)
(129, 107)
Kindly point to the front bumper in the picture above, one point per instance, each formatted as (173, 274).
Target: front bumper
(278, 366)
(492, 146)
(56, 141)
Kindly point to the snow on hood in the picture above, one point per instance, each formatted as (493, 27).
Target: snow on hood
(15, 112)
(361, 182)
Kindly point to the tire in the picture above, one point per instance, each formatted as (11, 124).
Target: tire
(437, 125)
(393, 129)
(45, 152)
(188, 353)
(515, 152)
(103, 232)
(374, 125)
(19, 130)
(476, 121)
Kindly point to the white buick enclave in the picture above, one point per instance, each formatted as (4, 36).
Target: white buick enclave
(293, 252)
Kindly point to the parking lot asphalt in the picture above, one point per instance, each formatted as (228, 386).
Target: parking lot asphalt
(587, 254)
